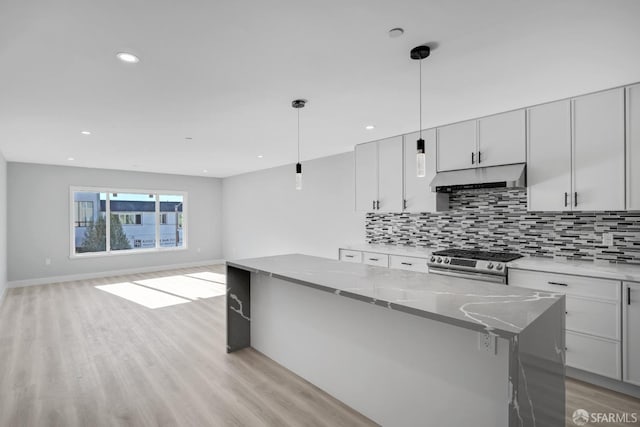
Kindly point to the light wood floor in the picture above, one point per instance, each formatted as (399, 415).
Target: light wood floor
(72, 354)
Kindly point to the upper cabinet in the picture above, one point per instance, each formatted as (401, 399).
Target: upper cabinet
(490, 141)
(366, 164)
(502, 139)
(379, 175)
(457, 146)
(549, 148)
(576, 154)
(633, 147)
(418, 196)
(390, 155)
(598, 151)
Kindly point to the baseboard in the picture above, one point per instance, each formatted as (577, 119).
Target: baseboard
(85, 276)
(608, 383)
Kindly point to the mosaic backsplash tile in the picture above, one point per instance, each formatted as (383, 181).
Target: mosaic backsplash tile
(497, 219)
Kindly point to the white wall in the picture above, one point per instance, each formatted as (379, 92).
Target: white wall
(3, 225)
(263, 213)
(38, 215)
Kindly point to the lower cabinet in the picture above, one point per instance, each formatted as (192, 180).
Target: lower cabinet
(593, 354)
(631, 332)
(408, 263)
(373, 258)
(593, 327)
(350, 256)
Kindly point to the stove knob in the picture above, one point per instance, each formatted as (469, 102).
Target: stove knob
(439, 260)
(490, 266)
(499, 267)
(433, 259)
(447, 260)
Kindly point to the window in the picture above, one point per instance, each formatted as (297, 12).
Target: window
(133, 220)
(130, 219)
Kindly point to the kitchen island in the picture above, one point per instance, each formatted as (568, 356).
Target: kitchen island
(405, 348)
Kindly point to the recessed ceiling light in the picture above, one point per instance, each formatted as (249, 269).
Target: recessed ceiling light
(369, 127)
(396, 32)
(85, 132)
(71, 159)
(204, 170)
(128, 57)
(188, 138)
(260, 156)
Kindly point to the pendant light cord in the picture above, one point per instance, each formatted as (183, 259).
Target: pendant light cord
(298, 134)
(420, 68)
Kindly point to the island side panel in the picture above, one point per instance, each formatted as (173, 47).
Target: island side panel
(398, 369)
(238, 309)
(540, 371)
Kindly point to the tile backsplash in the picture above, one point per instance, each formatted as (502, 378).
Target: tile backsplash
(497, 219)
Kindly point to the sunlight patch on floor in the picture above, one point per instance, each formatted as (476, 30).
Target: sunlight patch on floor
(210, 276)
(141, 295)
(187, 287)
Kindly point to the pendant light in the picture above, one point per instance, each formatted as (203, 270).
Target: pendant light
(419, 53)
(298, 104)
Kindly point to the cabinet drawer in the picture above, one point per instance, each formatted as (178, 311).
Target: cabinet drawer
(372, 258)
(350, 256)
(601, 318)
(571, 285)
(408, 263)
(597, 355)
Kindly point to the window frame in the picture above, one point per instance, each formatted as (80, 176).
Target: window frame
(109, 191)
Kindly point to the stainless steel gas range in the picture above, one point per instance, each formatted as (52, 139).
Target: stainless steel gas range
(489, 266)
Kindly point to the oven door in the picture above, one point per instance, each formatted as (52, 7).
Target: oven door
(493, 278)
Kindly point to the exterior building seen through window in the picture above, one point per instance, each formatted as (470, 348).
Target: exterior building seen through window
(133, 221)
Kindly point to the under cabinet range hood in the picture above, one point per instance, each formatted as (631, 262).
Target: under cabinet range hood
(510, 176)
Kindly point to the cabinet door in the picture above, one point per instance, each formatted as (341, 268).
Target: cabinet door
(501, 139)
(417, 193)
(549, 162)
(598, 151)
(366, 159)
(457, 146)
(631, 333)
(390, 174)
(633, 147)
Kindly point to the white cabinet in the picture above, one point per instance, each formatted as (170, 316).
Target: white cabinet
(576, 154)
(390, 156)
(379, 175)
(502, 139)
(374, 258)
(593, 335)
(631, 333)
(408, 263)
(366, 163)
(457, 146)
(349, 255)
(489, 141)
(549, 157)
(633, 147)
(598, 151)
(418, 196)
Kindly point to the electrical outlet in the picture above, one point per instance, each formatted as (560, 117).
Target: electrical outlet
(47, 261)
(487, 343)
(607, 239)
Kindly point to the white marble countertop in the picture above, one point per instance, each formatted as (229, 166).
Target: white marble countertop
(391, 249)
(604, 270)
(482, 306)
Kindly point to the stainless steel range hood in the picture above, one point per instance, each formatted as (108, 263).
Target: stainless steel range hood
(494, 176)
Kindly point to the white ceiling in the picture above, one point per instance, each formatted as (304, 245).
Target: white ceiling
(224, 73)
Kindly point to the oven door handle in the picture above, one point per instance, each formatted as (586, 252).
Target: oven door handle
(470, 275)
